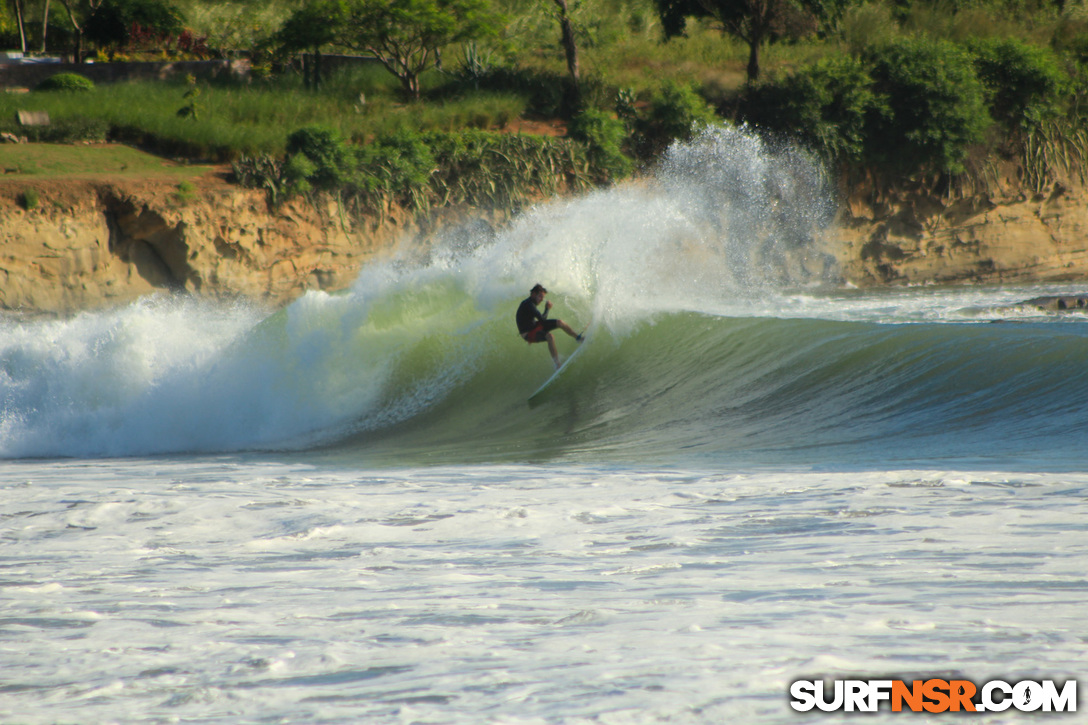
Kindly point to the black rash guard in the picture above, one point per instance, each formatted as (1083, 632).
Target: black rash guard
(528, 315)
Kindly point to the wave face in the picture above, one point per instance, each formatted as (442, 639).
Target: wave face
(713, 336)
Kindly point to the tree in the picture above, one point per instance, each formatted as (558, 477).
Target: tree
(20, 19)
(407, 35)
(110, 22)
(313, 26)
(826, 105)
(929, 106)
(1024, 83)
(570, 47)
(753, 21)
(79, 12)
(113, 21)
(45, 23)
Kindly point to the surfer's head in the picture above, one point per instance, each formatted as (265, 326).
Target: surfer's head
(538, 292)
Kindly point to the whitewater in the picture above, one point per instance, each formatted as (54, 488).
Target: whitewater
(346, 511)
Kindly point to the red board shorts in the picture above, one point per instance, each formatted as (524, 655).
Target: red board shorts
(540, 332)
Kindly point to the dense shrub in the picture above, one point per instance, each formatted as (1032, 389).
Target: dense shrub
(930, 107)
(1023, 82)
(29, 199)
(331, 162)
(824, 105)
(66, 82)
(398, 165)
(676, 112)
(604, 137)
(296, 172)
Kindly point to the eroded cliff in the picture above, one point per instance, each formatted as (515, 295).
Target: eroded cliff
(87, 244)
(1001, 235)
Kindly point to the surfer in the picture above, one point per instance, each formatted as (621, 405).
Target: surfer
(536, 327)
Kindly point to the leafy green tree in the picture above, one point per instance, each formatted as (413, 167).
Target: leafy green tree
(930, 106)
(604, 136)
(755, 22)
(112, 23)
(80, 13)
(826, 105)
(676, 112)
(311, 27)
(406, 36)
(1023, 82)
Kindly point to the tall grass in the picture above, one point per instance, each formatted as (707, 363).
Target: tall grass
(1054, 151)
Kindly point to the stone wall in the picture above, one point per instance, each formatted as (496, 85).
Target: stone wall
(29, 75)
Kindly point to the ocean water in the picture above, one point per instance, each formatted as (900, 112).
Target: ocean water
(347, 511)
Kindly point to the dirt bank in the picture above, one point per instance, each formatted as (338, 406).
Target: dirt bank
(1002, 235)
(94, 242)
(90, 243)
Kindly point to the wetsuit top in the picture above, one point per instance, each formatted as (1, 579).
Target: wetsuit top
(528, 315)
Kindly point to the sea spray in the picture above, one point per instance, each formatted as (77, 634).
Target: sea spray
(759, 206)
(723, 220)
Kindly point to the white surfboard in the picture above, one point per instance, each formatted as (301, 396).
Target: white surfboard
(555, 376)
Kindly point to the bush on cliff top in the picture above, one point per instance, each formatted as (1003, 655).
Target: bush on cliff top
(66, 82)
(604, 137)
(1023, 82)
(825, 106)
(930, 107)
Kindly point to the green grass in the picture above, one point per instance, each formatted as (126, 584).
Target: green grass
(249, 120)
(50, 161)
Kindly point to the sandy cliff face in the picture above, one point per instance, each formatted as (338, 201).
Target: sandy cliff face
(916, 238)
(89, 244)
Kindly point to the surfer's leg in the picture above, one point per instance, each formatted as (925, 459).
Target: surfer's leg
(567, 329)
(552, 350)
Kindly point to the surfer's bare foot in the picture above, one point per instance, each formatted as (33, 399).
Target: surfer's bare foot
(581, 337)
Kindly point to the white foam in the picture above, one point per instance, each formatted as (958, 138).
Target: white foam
(289, 591)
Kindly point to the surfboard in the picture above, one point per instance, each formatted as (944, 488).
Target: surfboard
(536, 397)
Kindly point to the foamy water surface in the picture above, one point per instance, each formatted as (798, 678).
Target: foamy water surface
(233, 590)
